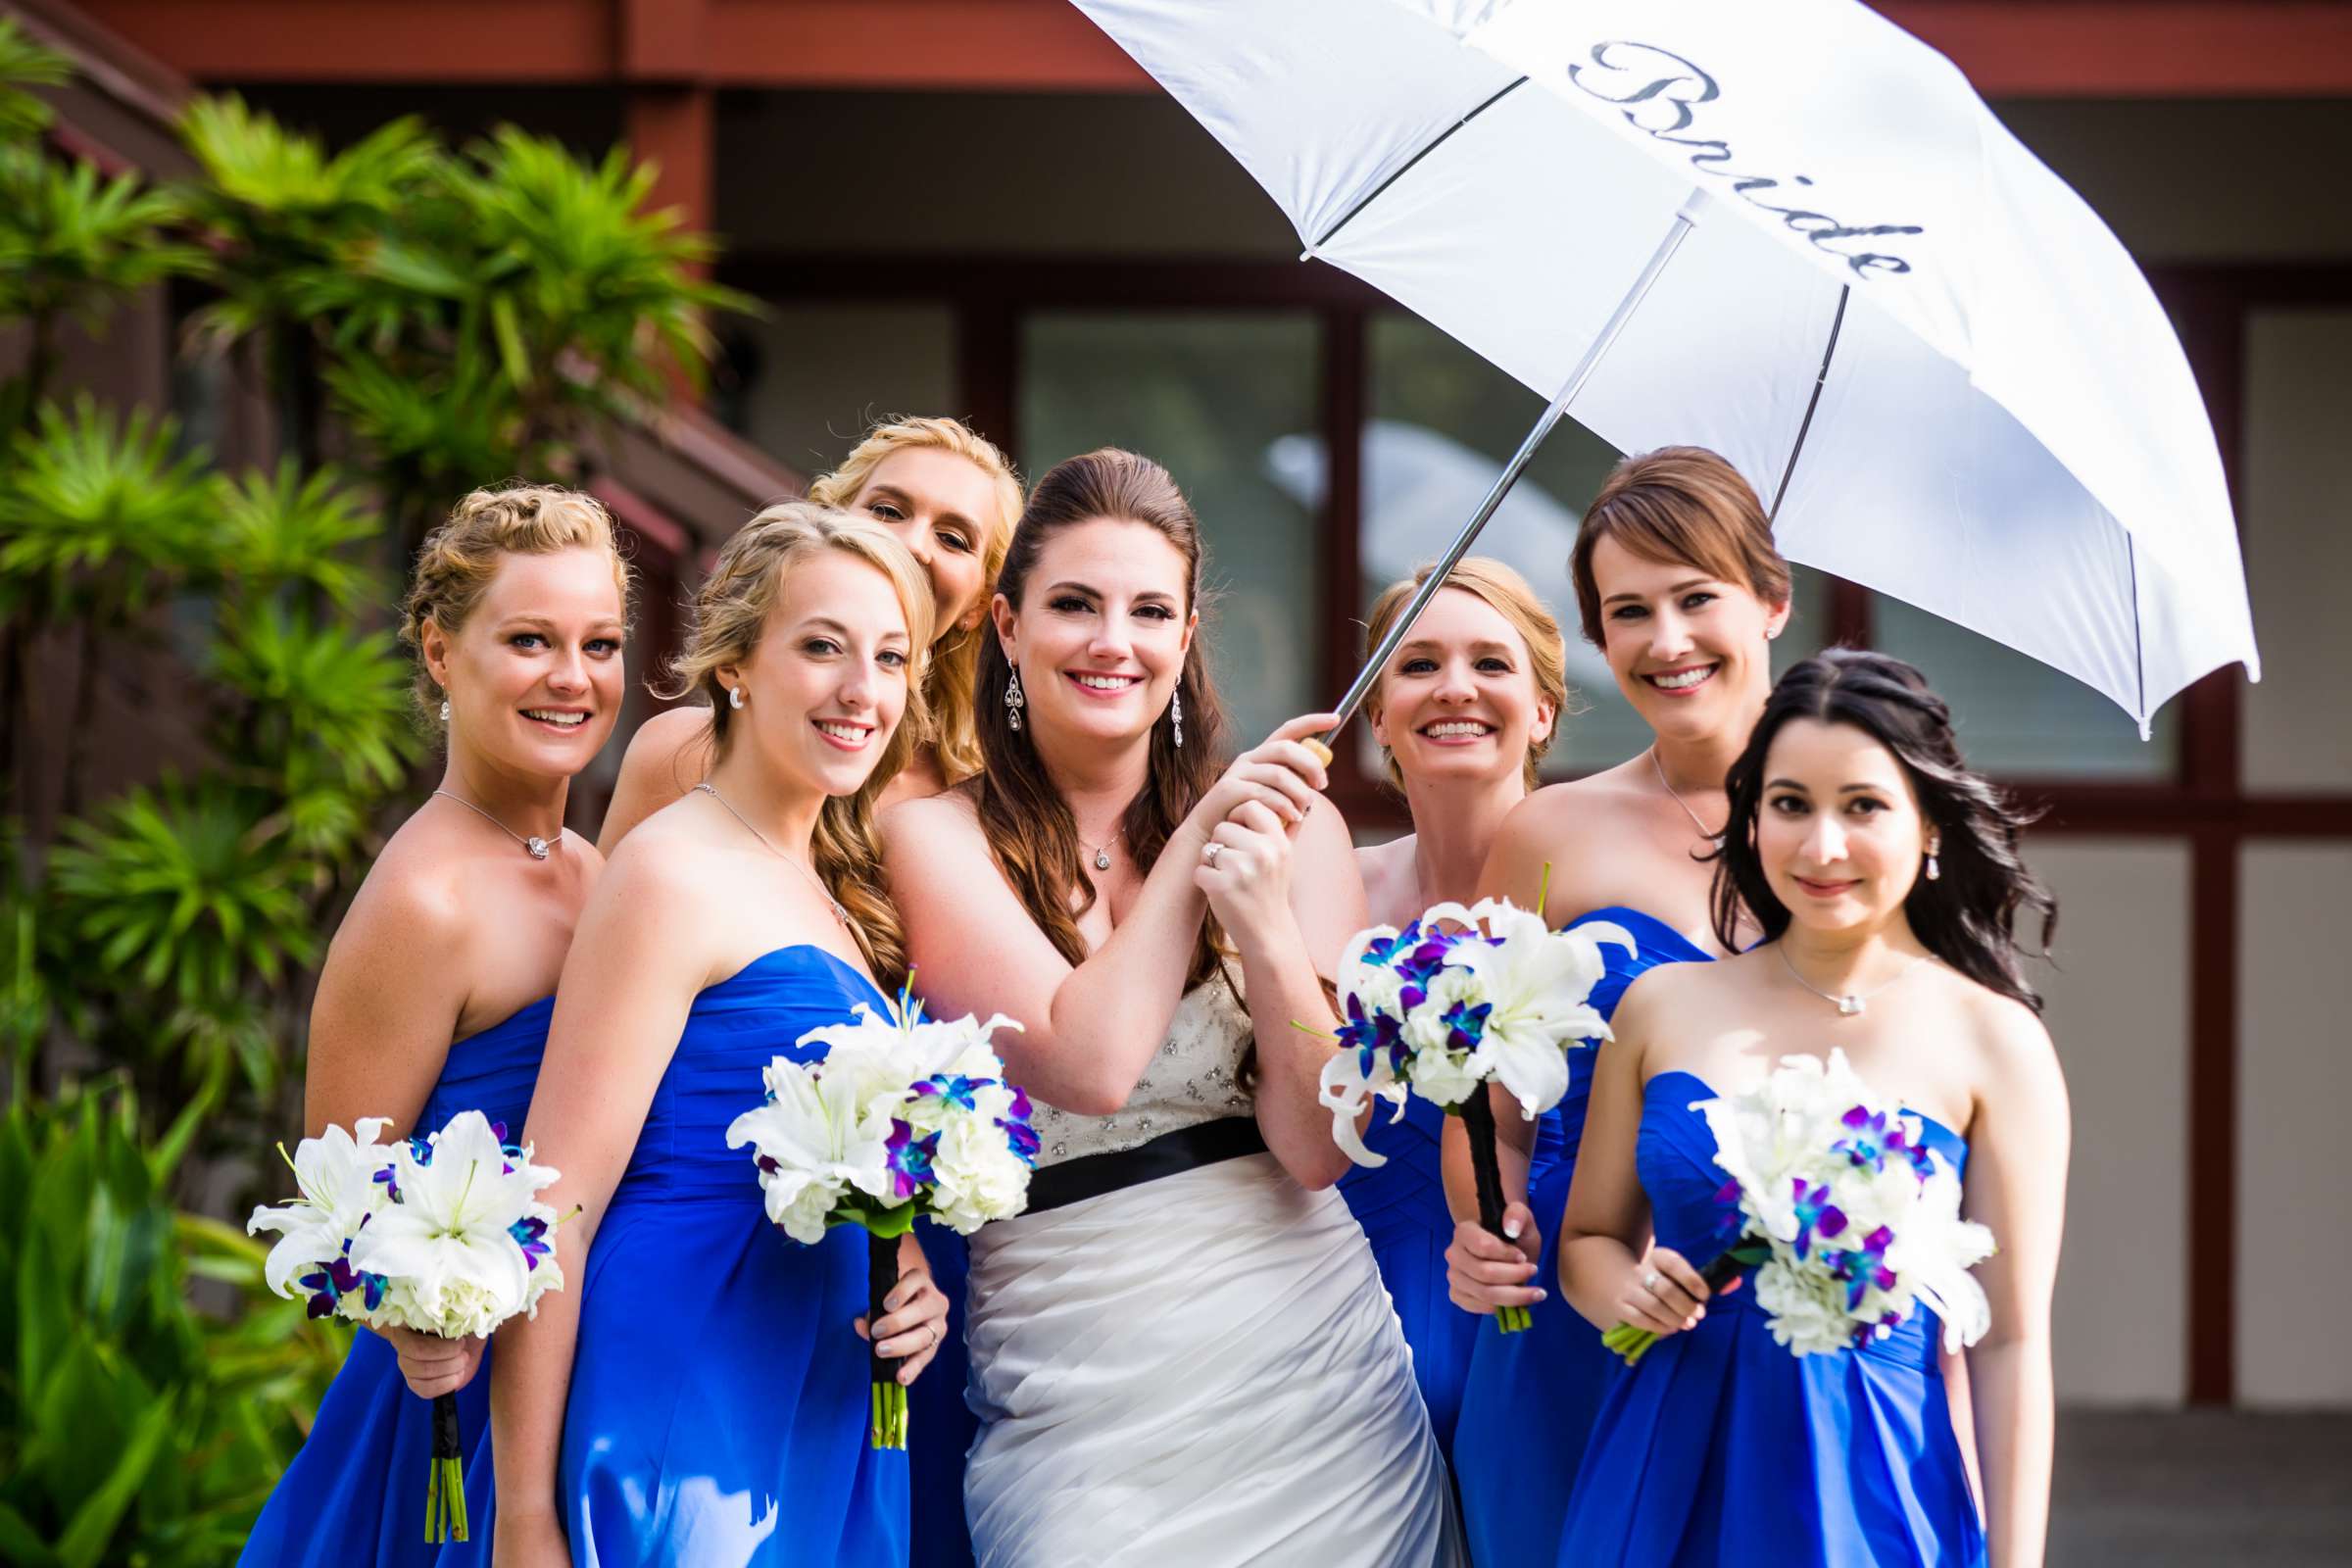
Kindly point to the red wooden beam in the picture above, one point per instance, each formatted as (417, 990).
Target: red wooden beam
(2009, 48)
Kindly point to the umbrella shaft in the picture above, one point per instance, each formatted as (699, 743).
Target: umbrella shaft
(1369, 675)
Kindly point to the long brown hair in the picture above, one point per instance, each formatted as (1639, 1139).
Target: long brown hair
(730, 609)
(1029, 827)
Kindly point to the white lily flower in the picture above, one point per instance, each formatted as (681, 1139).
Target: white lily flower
(449, 1242)
(820, 1136)
(1537, 984)
(335, 1174)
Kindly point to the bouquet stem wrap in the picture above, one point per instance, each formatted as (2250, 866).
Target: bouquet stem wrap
(1485, 1169)
(1634, 1343)
(886, 1426)
(445, 1484)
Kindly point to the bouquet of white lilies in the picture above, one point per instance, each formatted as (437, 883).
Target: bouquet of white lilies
(443, 1235)
(902, 1116)
(1845, 1217)
(1463, 997)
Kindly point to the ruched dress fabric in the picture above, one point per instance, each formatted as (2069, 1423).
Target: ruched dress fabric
(355, 1492)
(1529, 1399)
(1722, 1448)
(1200, 1368)
(1402, 1208)
(720, 1393)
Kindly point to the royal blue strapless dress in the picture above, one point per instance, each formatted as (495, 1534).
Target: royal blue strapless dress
(1722, 1448)
(720, 1390)
(1529, 1399)
(939, 1425)
(1401, 1206)
(355, 1492)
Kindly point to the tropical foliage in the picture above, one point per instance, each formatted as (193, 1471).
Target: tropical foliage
(205, 724)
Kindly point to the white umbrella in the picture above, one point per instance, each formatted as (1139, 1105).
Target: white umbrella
(1770, 229)
(1419, 484)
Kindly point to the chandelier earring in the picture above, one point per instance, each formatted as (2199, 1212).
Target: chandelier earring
(444, 710)
(1176, 715)
(1934, 870)
(1014, 700)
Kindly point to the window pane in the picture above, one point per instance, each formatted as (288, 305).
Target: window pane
(812, 377)
(2017, 717)
(1210, 396)
(1443, 422)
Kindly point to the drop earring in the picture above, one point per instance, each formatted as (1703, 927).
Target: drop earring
(1176, 715)
(1015, 701)
(735, 696)
(1934, 871)
(444, 710)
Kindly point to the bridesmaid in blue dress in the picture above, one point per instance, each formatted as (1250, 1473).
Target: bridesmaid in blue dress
(436, 994)
(1678, 586)
(698, 1396)
(1886, 880)
(951, 497)
(1465, 708)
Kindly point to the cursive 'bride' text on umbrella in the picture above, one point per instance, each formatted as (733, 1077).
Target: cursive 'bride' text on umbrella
(1659, 90)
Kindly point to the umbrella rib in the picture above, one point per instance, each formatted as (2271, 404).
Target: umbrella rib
(1820, 380)
(1382, 189)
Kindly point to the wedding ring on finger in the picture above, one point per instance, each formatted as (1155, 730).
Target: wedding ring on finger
(1208, 857)
(1652, 1280)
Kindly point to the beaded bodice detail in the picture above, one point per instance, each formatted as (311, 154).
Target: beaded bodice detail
(1195, 1077)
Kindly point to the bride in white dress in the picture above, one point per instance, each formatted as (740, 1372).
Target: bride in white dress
(1182, 1353)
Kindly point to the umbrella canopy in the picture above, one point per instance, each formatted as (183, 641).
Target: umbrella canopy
(1938, 366)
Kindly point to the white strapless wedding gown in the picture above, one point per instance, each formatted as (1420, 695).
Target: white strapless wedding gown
(1198, 1366)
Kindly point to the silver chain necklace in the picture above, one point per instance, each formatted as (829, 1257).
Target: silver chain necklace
(814, 881)
(1713, 838)
(537, 846)
(1851, 1004)
(1103, 853)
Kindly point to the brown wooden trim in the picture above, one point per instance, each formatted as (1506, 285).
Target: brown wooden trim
(1210, 282)
(674, 129)
(2023, 48)
(1851, 624)
(2139, 48)
(987, 361)
(2212, 1175)
(1345, 388)
(664, 41)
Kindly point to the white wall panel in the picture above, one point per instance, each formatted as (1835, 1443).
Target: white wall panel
(2118, 1014)
(2294, 1234)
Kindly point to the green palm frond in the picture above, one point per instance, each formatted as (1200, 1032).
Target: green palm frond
(173, 889)
(74, 241)
(25, 62)
(101, 513)
(447, 425)
(573, 262)
(251, 162)
(280, 528)
(327, 690)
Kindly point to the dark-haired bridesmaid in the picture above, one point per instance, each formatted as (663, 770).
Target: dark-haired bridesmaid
(1886, 878)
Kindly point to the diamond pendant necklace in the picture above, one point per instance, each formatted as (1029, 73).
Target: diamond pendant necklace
(1101, 852)
(535, 844)
(1851, 1004)
(839, 914)
(1715, 839)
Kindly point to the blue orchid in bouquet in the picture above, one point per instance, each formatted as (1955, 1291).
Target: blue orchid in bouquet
(442, 1233)
(1844, 1216)
(1461, 998)
(902, 1115)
